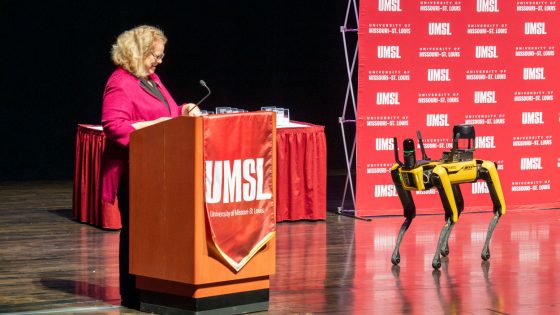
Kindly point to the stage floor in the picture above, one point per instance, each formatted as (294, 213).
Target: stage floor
(51, 264)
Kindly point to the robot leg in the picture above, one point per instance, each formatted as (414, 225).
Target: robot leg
(489, 173)
(444, 250)
(486, 249)
(447, 194)
(409, 209)
(396, 257)
(443, 237)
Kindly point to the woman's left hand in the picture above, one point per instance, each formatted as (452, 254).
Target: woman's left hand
(190, 109)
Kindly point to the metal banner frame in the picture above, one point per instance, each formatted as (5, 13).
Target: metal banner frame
(348, 117)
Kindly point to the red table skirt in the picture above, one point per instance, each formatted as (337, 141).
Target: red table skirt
(301, 179)
(86, 202)
(301, 173)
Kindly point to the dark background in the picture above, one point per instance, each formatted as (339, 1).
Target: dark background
(55, 62)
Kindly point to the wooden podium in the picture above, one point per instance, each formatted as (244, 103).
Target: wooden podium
(176, 271)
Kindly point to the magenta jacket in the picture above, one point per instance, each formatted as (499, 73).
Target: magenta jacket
(126, 101)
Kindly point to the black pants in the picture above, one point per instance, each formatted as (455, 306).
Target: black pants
(127, 281)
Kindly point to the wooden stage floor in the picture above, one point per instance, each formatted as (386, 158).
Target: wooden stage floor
(50, 264)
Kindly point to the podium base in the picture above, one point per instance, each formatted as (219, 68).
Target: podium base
(235, 303)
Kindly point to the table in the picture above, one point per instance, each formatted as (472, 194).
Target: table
(301, 173)
(301, 178)
(87, 206)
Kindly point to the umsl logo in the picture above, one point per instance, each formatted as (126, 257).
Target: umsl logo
(535, 28)
(242, 181)
(389, 6)
(436, 120)
(387, 98)
(391, 52)
(485, 97)
(479, 188)
(439, 29)
(532, 118)
(485, 142)
(531, 163)
(384, 144)
(486, 52)
(487, 6)
(385, 191)
(533, 73)
(438, 75)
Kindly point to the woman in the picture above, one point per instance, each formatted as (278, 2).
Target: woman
(134, 98)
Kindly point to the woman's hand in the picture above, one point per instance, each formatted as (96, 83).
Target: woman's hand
(190, 109)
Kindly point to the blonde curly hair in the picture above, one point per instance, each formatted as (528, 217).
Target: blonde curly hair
(133, 45)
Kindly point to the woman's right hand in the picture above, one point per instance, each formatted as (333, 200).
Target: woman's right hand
(191, 109)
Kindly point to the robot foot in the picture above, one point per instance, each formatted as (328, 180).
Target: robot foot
(396, 258)
(444, 251)
(436, 263)
(485, 254)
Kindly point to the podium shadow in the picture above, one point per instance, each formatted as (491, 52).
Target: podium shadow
(107, 294)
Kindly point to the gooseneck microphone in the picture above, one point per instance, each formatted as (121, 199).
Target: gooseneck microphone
(208, 94)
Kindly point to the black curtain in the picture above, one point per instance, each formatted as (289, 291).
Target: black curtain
(55, 62)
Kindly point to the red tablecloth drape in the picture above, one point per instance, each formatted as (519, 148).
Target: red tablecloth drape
(301, 179)
(301, 173)
(86, 202)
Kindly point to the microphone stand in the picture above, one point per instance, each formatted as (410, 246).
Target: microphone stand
(208, 94)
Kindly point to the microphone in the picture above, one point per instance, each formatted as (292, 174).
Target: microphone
(209, 92)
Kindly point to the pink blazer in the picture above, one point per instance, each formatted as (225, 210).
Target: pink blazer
(126, 101)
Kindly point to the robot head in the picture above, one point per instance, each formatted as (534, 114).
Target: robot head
(464, 138)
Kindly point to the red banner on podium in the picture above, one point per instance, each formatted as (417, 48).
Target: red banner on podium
(238, 167)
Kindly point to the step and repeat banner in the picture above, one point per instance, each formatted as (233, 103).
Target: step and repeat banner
(429, 65)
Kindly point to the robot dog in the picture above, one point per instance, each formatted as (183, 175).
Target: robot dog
(456, 167)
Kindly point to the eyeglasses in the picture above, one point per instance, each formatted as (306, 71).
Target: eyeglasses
(158, 57)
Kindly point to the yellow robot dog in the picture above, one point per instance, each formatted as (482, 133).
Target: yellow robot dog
(455, 167)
